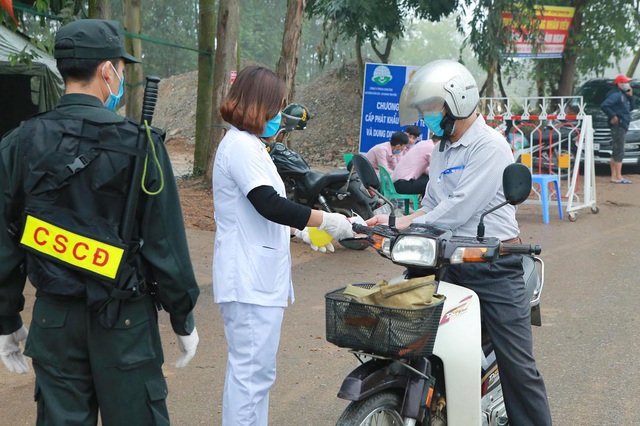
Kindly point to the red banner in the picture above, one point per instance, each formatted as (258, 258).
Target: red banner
(553, 21)
(8, 6)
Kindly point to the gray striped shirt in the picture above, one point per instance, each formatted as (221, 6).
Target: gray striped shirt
(465, 180)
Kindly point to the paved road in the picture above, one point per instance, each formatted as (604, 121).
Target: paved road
(587, 349)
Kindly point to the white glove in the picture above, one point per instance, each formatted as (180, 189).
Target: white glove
(10, 351)
(304, 236)
(187, 345)
(336, 225)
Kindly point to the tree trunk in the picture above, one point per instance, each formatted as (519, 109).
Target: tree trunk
(539, 80)
(288, 62)
(206, 43)
(567, 75)
(99, 9)
(503, 92)
(360, 63)
(491, 71)
(226, 47)
(383, 56)
(634, 64)
(134, 83)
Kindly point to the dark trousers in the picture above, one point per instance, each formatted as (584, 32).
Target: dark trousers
(506, 316)
(82, 368)
(413, 186)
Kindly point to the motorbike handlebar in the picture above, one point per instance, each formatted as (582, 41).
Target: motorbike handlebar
(520, 249)
(361, 229)
(504, 248)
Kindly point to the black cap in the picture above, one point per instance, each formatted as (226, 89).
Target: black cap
(93, 39)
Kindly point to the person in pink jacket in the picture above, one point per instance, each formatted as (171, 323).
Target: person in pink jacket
(413, 133)
(387, 154)
(412, 171)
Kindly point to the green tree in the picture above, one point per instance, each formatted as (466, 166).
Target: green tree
(602, 31)
(489, 37)
(206, 44)
(288, 62)
(225, 61)
(426, 41)
(99, 9)
(636, 24)
(261, 30)
(133, 75)
(380, 23)
(170, 31)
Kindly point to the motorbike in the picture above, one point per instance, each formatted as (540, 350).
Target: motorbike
(337, 191)
(455, 380)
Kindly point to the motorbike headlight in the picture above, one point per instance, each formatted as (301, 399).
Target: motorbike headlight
(415, 250)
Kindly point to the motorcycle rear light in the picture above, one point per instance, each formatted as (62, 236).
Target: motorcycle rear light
(469, 255)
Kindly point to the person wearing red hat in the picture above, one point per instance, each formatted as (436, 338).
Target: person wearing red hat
(618, 105)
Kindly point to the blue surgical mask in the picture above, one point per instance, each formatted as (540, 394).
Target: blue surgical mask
(397, 151)
(433, 123)
(113, 100)
(272, 126)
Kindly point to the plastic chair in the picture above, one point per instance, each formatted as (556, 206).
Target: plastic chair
(543, 181)
(347, 159)
(389, 191)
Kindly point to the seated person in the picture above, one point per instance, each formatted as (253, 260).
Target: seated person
(412, 172)
(387, 154)
(413, 133)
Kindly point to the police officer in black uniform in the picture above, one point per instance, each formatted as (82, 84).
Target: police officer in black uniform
(65, 182)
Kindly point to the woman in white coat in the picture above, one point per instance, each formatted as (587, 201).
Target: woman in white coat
(252, 259)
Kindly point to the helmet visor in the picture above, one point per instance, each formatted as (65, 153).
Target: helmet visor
(420, 98)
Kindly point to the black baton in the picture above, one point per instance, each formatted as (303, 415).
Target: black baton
(148, 108)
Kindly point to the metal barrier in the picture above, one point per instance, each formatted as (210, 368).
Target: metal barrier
(551, 135)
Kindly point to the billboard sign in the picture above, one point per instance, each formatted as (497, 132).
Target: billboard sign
(553, 21)
(383, 85)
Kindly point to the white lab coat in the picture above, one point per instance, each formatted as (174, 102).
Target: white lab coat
(252, 258)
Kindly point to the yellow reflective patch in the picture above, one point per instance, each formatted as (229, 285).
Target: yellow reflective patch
(73, 249)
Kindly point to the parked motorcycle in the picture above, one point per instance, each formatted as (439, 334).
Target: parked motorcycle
(440, 370)
(337, 191)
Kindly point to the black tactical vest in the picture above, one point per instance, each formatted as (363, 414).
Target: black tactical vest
(76, 177)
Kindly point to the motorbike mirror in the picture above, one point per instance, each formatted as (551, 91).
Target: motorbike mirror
(516, 183)
(355, 243)
(365, 171)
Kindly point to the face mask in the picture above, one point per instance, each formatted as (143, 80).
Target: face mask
(113, 100)
(626, 87)
(397, 151)
(272, 126)
(433, 123)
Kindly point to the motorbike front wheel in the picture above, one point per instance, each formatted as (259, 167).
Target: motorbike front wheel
(381, 409)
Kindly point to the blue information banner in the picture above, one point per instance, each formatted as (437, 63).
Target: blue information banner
(383, 85)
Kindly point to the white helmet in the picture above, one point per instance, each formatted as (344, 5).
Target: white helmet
(439, 84)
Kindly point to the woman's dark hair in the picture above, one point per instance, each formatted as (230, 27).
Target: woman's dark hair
(74, 69)
(256, 96)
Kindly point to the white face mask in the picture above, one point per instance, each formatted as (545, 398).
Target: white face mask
(113, 99)
(625, 86)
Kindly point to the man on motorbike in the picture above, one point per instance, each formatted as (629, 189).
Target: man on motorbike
(465, 179)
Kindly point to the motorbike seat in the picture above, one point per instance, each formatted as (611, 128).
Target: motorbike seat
(315, 182)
